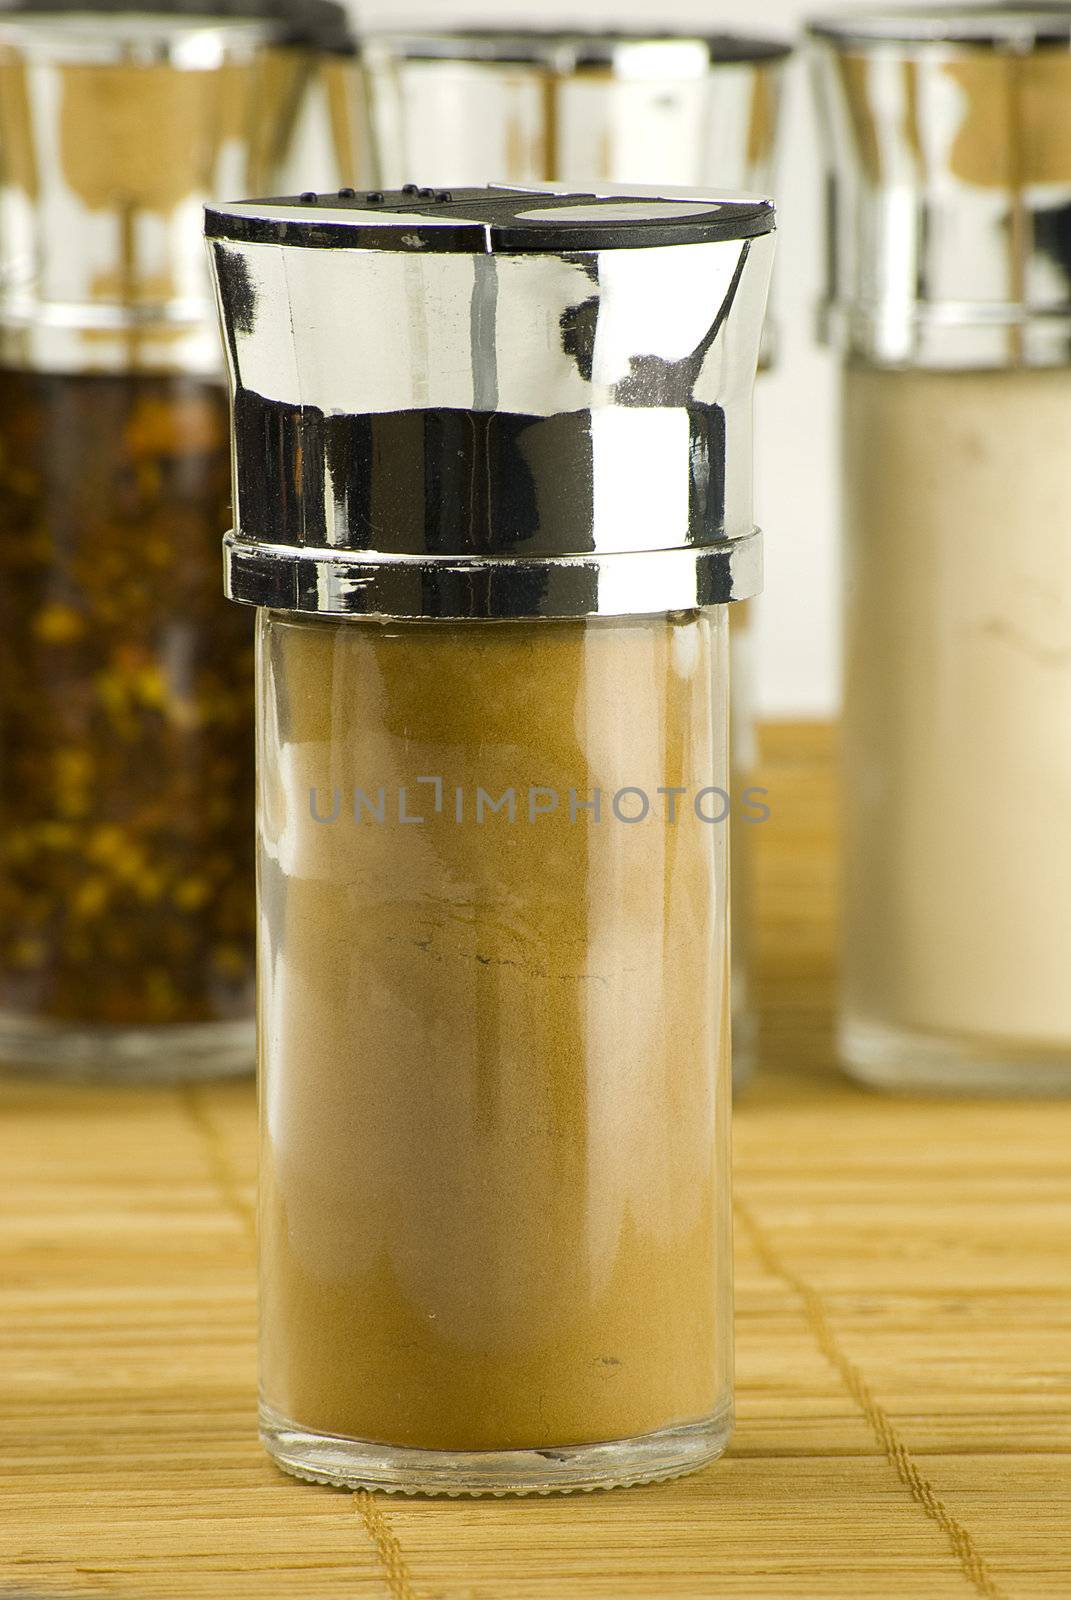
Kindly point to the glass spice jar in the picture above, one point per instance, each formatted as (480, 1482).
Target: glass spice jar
(569, 106)
(492, 496)
(126, 759)
(949, 137)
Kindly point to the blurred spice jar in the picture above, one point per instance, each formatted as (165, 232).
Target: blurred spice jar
(582, 106)
(126, 756)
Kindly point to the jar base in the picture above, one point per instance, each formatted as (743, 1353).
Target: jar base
(358, 1464)
(127, 1055)
(897, 1059)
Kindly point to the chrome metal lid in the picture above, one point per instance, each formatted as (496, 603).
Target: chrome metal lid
(493, 402)
(948, 135)
(996, 26)
(315, 24)
(116, 124)
(493, 220)
(568, 48)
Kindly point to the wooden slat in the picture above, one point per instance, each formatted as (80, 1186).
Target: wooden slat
(904, 1344)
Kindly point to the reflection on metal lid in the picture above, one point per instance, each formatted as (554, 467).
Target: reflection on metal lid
(634, 211)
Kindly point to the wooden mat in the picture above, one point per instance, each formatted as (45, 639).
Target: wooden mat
(903, 1345)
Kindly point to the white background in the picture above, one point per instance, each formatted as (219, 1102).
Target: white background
(796, 460)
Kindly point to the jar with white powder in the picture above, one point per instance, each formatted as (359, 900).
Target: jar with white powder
(949, 138)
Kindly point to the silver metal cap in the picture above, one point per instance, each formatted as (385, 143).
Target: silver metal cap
(948, 132)
(494, 402)
(115, 127)
(576, 107)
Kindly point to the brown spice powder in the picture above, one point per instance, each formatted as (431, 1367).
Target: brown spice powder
(495, 1057)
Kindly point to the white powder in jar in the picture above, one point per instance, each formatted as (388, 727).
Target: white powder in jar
(958, 706)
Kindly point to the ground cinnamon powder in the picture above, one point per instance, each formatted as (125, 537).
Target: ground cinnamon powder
(495, 1056)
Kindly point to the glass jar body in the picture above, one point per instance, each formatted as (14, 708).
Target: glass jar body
(957, 761)
(126, 750)
(493, 996)
(748, 812)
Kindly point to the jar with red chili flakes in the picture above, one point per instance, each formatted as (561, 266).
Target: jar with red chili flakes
(126, 752)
